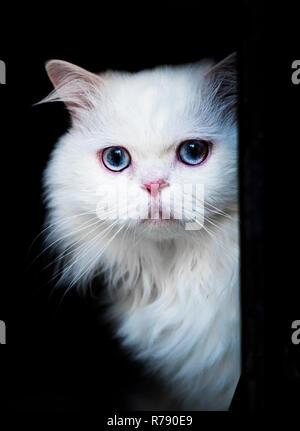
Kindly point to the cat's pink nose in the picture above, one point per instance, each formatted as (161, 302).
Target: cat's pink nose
(154, 187)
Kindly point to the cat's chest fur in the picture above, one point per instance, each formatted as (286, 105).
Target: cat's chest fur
(179, 310)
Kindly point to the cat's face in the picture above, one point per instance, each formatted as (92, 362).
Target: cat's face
(146, 151)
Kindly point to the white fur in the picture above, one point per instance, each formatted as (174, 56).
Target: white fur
(173, 293)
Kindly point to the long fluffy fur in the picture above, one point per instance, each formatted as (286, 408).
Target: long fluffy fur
(173, 294)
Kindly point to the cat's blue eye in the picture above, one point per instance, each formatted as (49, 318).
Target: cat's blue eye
(116, 158)
(193, 152)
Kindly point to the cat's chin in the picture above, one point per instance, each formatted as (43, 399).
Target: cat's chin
(160, 229)
(158, 222)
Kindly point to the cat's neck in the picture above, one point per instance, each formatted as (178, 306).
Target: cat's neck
(205, 255)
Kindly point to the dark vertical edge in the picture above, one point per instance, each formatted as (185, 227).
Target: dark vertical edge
(251, 152)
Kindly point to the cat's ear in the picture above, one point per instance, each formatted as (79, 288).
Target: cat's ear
(223, 84)
(74, 86)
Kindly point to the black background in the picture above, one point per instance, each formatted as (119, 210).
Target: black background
(59, 358)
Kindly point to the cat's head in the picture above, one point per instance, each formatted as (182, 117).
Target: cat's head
(143, 140)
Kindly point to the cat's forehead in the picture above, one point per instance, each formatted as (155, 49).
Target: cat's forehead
(148, 90)
(157, 105)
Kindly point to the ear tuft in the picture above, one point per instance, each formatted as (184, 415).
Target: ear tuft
(74, 86)
(223, 85)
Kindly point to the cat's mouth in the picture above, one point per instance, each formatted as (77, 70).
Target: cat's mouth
(158, 219)
(156, 215)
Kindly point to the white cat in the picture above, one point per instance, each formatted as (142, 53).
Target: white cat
(174, 292)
